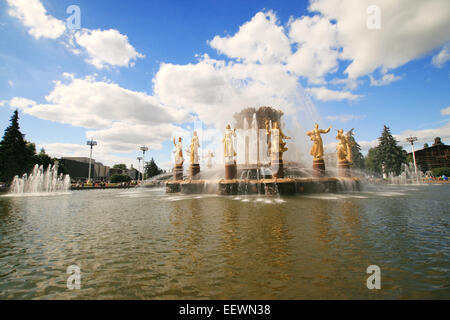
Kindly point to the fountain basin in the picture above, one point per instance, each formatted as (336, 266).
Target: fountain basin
(284, 186)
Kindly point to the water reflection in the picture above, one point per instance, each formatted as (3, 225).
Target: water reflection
(147, 245)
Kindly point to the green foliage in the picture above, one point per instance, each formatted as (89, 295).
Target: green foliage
(151, 169)
(15, 154)
(42, 158)
(387, 157)
(370, 162)
(120, 166)
(438, 172)
(426, 146)
(116, 178)
(358, 158)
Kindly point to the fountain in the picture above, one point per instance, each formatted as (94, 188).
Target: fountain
(40, 181)
(253, 162)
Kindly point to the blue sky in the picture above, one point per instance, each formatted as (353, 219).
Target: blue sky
(143, 72)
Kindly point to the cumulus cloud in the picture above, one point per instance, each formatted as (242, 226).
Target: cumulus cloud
(384, 80)
(442, 57)
(446, 111)
(259, 40)
(325, 94)
(214, 90)
(33, 15)
(21, 103)
(317, 48)
(407, 31)
(103, 47)
(89, 103)
(107, 47)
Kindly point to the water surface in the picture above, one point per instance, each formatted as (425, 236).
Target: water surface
(144, 244)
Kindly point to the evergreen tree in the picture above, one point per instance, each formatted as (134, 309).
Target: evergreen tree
(15, 154)
(389, 156)
(358, 158)
(370, 162)
(151, 169)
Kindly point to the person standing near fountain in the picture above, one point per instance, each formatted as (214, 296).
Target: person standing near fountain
(179, 160)
(342, 154)
(229, 153)
(277, 148)
(193, 150)
(317, 149)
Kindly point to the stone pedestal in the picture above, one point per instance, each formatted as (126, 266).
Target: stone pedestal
(318, 167)
(344, 168)
(230, 171)
(194, 169)
(178, 173)
(277, 167)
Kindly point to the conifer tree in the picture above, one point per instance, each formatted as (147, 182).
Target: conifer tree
(15, 154)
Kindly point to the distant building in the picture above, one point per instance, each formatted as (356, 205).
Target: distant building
(436, 156)
(78, 168)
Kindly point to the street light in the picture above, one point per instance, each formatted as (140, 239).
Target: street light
(143, 149)
(411, 140)
(139, 168)
(90, 143)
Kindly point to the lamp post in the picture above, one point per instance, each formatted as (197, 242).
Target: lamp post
(143, 149)
(411, 140)
(139, 168)
(90, 143)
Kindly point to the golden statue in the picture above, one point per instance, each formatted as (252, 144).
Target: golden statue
(193, 148)
(178, 152)
(342, 146)
(317, 148)
(277, 145)
(350, 142)
(228, 146)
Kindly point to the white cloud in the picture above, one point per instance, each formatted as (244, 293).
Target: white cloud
(259, 40)
(21, 103)
(344, 117)
(446, 111)
(317, 53)
(90, 103)
(442, 57)
(107, 47)
(124, 137)
(325, 94)
(33, 15)
(385, 80)
(215, 90)
(409, 29)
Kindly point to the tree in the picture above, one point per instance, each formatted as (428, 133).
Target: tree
(370, 162)
(426, 145)
(388, 157)
(357, 156)
(116, 178)
(15, 154)
(120, 166)
(42, 158)
(151, 169)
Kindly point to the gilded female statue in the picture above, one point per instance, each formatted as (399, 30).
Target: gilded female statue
(342, 146)
(228, 146)
(317, 148)
(178, 152)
